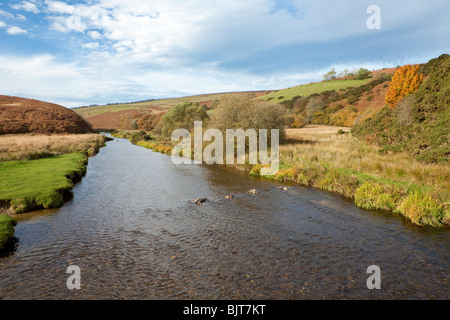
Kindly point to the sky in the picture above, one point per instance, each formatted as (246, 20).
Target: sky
(78, 53)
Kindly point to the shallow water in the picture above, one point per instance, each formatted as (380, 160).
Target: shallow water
(134, 233)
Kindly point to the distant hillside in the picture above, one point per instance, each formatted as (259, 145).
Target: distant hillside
(420, 123)
(311, 88)
(122, 116)
(20, 115)
(340, 102)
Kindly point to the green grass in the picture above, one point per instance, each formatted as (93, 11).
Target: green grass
(41, 183)
(309, 89)
(6, 229)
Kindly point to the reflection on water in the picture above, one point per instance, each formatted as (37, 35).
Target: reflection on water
(135, 234)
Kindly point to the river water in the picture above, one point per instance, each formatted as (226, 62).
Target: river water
(134, 233)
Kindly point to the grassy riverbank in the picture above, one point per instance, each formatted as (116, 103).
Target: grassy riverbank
(41, 183)
(396, 182)
(38, 171)
(6, 229)
(316, 156)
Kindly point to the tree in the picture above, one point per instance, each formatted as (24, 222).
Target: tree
(343, 74)
(242, 113)
(330, 75)
(405, 80)
(182, 116)
(363, 74)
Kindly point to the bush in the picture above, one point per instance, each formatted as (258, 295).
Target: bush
(422, 209)
(352, 99)
(298, 121)
(148, 121)
(376, 196)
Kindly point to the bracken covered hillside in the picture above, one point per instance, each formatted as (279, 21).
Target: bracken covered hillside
(20, 115)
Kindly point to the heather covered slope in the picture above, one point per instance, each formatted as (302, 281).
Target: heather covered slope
(20, 115)
(420, 123)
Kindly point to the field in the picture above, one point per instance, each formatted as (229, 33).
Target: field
(29, 147)
(308, 89)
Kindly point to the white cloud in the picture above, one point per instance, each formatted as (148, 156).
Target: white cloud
(60, 7)
(26, 6)
(94, 34)
(21, 17)
(2, 24)
(91, 45)
(101, 79)
(6, 14)
(13, 30)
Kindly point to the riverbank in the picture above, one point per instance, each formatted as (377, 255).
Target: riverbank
(39, 171)
(320, 157)
(6, 229)
(41, 183)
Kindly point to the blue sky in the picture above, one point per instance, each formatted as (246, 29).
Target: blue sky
(98, 51)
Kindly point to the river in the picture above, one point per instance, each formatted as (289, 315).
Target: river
(134, 233)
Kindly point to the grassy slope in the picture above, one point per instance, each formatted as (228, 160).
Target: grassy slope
(308, 89)
(39, 183)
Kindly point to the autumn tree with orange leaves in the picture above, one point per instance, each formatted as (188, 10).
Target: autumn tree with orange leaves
(405, 80)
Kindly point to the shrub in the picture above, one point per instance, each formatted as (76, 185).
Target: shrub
(352, 99)
(298, 121)
(344, 117)
(148, 121)
(376, 196)
(422, 209)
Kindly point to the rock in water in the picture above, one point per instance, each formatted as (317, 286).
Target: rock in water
(228, 197)
(199, 200)
(253, 191)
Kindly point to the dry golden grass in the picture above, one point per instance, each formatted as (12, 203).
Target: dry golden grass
(322, 144)
(27, 147)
